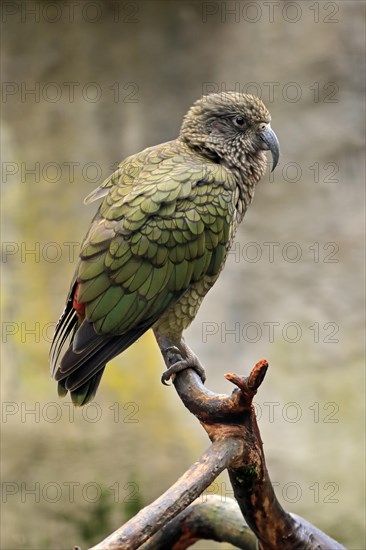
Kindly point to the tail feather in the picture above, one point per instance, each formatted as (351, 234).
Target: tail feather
(75, 357)
(107, 350)
(82, 365)
(65, 327)
(84, 361)
(84, 369)
(84, 393)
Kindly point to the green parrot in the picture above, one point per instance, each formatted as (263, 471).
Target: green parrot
(160, 239)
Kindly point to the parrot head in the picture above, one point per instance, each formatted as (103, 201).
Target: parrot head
(231, 126)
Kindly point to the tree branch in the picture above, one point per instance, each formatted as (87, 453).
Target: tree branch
(231, 424)
(188, 487)
(206, 518)
(234, 417)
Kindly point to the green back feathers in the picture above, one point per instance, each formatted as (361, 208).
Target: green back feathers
(163, 225)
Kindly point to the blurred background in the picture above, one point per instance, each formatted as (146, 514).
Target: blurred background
(84, 85)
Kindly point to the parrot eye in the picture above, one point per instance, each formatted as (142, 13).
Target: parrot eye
(239, 121)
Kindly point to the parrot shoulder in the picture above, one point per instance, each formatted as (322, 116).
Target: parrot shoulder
(128, 170)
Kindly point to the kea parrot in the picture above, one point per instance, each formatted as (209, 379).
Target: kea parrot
(159, 239)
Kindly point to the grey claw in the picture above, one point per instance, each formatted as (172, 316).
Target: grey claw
(165, 377)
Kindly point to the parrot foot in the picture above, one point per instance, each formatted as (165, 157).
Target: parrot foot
(191, 361)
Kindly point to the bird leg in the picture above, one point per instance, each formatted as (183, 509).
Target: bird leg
(177, 357)
(190, 361)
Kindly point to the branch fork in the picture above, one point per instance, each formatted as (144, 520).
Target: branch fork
(178, 517)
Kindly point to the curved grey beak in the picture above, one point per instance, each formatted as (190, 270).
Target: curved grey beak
(271, 143)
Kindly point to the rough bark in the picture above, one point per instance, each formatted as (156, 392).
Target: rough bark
(231, 424)
(208, 517)
(188, 487)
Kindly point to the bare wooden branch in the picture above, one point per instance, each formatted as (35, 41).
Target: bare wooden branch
(188, 487)
(231, 424)
(234, 417)
(273, 526)
(208, 517)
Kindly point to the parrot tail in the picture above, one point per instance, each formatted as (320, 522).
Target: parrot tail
(82, 365)
(84, 361)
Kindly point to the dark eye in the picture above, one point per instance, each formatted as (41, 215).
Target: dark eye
(239, 121)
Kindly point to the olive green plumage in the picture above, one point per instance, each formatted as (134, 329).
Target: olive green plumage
(155, 236)
(160, 237)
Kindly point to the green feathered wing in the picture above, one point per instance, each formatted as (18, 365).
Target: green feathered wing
(164, 224)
